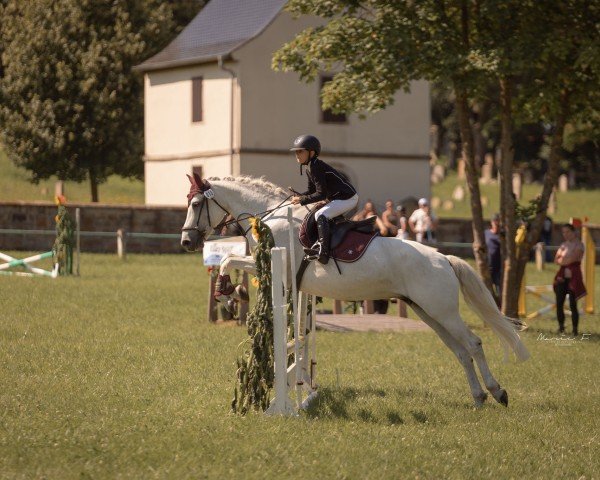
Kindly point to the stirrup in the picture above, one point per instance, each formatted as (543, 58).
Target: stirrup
(314, 252)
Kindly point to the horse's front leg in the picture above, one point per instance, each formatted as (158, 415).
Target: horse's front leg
(225, 291)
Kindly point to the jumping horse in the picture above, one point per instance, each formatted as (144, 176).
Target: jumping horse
(390, 268)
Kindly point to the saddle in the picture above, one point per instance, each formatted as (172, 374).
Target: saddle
(349, 239)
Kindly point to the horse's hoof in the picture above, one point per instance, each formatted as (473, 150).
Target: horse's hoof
(502, 397)
(221, 298)
(242, 293)
(230, 306)
(480, 399)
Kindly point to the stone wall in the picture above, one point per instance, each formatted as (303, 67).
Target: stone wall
(94, 218)
(154, 219)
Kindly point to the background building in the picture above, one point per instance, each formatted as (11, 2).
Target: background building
(214, 105)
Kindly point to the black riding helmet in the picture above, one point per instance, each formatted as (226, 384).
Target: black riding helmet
(307, 142)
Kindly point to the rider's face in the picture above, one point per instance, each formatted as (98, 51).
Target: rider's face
(302, 156)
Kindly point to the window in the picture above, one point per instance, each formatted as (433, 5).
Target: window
(197, 99)
(327, 116)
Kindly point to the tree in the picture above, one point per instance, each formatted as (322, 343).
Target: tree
(476, 48)
(560, 85)
(69, 104)
(378, 47)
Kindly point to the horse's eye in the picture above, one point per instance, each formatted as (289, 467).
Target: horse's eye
(195, 204)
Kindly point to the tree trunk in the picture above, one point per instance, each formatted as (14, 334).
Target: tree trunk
(466, 134)
(94, 185)
(510, 286)
(549, 182)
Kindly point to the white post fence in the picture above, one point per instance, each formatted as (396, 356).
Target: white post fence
(296, 378)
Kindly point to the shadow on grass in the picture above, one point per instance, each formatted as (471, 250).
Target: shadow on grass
(372, 405)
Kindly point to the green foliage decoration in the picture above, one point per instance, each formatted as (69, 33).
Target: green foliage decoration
(255, 368)
(62, 249)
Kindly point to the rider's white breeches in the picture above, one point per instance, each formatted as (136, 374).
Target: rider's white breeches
(337, 207)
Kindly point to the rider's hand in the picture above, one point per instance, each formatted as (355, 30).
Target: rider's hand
(295, 200)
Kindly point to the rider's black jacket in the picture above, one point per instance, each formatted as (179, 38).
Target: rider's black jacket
(325, 182)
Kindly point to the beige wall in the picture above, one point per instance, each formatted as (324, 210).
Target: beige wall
(174, 144)
(167, 184)
(276, 107)
(169, 129)
(270, 109)
(377, 179)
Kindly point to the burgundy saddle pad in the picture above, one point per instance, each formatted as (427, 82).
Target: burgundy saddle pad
(350, 249)
(353, 246)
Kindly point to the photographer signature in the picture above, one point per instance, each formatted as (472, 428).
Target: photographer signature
(564, 340)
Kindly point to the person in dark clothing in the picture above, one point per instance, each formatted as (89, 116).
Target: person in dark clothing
(324, 183)
(492, 241)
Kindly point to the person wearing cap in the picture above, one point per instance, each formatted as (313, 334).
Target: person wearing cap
(492, 242)
(324, 183)
(423, 222)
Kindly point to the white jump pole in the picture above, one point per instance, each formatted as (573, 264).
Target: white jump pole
(281, 404)
(15, 262)
(299, 375)
(297, 313)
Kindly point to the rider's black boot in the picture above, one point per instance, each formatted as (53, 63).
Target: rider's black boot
(323, 227)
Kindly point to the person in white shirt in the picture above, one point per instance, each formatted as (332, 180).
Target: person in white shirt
(423, 222)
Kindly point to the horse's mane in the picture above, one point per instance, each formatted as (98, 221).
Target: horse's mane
(266, 187)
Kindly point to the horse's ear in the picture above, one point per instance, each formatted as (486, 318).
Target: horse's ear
(190, 179)
(198, 179)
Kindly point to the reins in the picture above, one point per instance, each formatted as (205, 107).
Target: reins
(240, 218)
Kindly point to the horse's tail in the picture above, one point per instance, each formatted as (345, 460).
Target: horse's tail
(479, 298)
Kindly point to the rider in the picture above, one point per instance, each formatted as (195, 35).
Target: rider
(324, 183)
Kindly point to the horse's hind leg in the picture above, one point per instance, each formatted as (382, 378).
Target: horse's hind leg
(457, 328)
(463, 356)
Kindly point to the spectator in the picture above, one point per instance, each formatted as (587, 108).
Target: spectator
(402, 223)
(379, 306)
(423, 222)
(369, 211)
(492, 241)
(390, 219)
(568, 279)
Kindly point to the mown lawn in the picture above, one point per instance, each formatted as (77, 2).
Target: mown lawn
(15, 185)
(117, 374)
(574, 203)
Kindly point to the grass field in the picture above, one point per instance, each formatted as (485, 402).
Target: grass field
(574, 203)
(15, 185)
(117, 374)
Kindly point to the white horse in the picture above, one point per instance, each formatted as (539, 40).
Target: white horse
(390, 268)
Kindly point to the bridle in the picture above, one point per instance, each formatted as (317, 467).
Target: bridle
(208, 194)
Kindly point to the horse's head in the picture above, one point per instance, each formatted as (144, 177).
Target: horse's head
(198, 220)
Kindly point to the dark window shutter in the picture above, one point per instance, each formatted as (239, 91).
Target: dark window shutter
(197, 99)
(327, 116)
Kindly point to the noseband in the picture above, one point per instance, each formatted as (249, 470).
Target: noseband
(221, 224)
